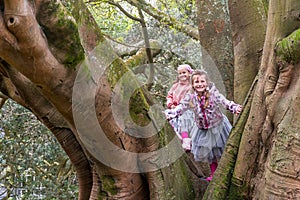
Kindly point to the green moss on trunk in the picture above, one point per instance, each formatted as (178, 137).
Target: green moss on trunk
(108, 185)
(62, 33)
(224, 185)
(288, 49)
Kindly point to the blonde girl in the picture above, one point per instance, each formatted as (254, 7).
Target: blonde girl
(183, 123)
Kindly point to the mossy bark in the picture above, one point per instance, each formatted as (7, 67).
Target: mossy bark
(265, 162)
(223, 184)
(288, 49)
(48, 66)
(264, 165)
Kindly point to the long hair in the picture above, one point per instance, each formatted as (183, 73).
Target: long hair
(207, 94)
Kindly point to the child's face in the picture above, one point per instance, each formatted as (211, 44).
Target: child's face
(199, 83)
(183, 74)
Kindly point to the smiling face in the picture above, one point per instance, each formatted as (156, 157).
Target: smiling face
(183, 74)
(199, 83)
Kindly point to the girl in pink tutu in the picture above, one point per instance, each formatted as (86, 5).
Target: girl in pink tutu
(182, 124)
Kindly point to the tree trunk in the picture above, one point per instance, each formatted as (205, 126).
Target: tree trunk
(266, 161)
(248, 24)
(55, 64)
(215, 38)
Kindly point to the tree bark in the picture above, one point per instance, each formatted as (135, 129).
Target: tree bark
(216, 42)
(248, 25)
(265, 164)
(46, 65)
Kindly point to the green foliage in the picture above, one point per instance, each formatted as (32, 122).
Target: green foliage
(31, 160)
(111, 20)
(116, 24)
(184, 11)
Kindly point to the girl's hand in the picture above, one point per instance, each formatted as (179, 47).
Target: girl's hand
(166, 115)
(239, 110)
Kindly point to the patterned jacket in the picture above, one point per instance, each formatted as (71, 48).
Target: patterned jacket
(208, 117)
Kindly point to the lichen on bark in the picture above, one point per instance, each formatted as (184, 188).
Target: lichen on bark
(62, 34)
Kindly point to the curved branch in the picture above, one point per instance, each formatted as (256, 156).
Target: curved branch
(124, 11)
(148, 50)
(34, 58)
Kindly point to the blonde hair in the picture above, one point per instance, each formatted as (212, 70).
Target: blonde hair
(200, 73)
(184, 66)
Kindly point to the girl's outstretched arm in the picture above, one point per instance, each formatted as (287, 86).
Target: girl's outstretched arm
(180, 109)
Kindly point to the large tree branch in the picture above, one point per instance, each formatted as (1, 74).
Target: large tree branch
(34, 59)
(55, 82)
(262, 142)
